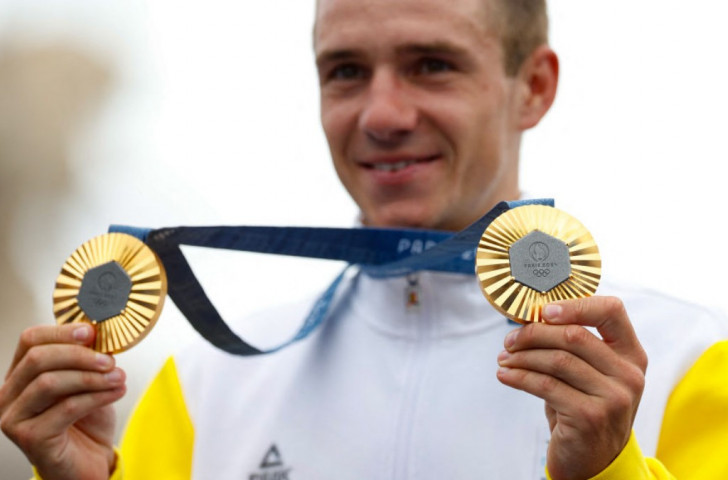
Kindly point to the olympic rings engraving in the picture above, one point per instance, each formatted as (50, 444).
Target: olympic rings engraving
(541, 272)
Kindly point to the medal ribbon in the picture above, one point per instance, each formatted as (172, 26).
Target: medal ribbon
(380, 252)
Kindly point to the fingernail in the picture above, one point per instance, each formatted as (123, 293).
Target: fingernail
(503, 370)
(104, 361)
(81, 333)
(114, 376)
(552, 312)
(511, 338)
(503, 356)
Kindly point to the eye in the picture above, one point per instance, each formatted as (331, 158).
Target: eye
(428, 66)
(346, 71)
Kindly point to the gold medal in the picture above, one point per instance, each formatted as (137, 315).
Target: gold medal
(116, 283)
(534, 255)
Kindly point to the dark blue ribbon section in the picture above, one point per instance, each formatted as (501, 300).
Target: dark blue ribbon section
(379, 252)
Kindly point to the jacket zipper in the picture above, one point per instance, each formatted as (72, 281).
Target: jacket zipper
(414, 375)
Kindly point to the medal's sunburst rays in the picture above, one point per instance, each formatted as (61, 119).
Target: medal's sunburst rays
(142, 304)
(515, 299)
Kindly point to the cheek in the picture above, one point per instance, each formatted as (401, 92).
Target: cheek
(338, 124)
(478, 135)
(459, 119)
(337, 132)
(477, 151)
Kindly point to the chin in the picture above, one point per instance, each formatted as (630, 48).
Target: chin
(399, 218)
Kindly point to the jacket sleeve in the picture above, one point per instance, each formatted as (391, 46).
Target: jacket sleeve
(693, 441)
(159, 436)
(694, 434)
(631, 464)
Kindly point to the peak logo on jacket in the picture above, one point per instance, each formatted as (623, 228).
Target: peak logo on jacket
(271, 467)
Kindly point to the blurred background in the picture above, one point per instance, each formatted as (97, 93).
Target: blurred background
(160, 113)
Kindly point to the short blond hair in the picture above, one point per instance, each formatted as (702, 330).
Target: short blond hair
(522, 26)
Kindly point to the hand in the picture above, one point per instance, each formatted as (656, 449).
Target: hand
(55, 403)
(591, 386)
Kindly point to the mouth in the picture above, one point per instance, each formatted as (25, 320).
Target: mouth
(393, 165)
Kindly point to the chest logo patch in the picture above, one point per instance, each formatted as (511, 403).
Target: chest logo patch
(272, 467)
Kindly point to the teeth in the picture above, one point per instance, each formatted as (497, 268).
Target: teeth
(393, 167)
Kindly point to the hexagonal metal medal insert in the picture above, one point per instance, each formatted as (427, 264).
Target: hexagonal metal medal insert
(540, 261)
(104, 291)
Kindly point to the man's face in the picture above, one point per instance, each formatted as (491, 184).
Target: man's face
(417, 109)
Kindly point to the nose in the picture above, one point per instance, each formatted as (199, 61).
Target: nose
(388, 116)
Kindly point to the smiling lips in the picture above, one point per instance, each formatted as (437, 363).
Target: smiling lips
(394, 165)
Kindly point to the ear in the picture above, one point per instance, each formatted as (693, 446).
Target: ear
(538, 79)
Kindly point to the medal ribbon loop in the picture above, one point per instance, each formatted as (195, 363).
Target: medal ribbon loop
(379, 252)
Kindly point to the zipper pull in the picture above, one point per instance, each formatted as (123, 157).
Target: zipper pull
(412, 293)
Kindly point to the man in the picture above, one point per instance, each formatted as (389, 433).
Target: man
(423, 104)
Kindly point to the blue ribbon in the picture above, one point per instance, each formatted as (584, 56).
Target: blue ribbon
(380, 252)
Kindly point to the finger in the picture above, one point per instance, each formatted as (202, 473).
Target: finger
(56, 420)
(574, 339)
(51, 388)
(75, 333)
(609, 317)
(565, 366)
(557, 394)
(64, 414)
(50, 357)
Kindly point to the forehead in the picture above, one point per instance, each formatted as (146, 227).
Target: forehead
(370, 23)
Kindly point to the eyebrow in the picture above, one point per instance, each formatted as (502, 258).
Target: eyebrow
(336, 55)
(430, 48)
